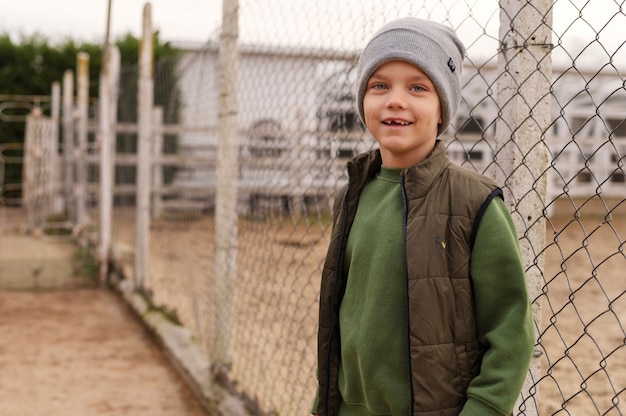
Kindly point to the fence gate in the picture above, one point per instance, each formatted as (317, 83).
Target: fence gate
(40, 171)
(36, 247)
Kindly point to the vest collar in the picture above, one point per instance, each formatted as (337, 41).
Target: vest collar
(421, 176)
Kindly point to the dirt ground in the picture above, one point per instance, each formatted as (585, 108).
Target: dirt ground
(53, 342)
(582, 338)
(77, 352)
(582, 298)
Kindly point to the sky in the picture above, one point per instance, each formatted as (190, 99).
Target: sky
(300, 22)
(324, 23)
(86, 20)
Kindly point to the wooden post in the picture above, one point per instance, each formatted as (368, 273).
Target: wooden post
(55, 107)
(54, 185)
(68, 145)
(226, 230)
(80, 191)
(144, 149)
(521, 159)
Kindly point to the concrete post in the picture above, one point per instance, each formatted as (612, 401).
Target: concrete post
(226, 230)
(157, 168)
(106, 141)
(521, 158)
(144, 148)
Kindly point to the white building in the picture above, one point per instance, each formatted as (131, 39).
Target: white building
(298, 125)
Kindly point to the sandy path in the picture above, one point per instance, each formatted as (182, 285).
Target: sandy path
(81, 352)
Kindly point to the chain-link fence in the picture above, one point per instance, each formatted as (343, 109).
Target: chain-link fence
(247, 149)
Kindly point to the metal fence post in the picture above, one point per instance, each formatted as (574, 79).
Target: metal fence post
(226, 230)
(144, 148)
(82, 92)
(521, 155)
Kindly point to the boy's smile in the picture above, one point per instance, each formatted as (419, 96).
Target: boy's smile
(402, 111)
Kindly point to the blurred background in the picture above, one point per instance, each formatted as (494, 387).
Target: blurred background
(194, 154)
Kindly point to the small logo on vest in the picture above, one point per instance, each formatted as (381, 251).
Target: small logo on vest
(440, 243)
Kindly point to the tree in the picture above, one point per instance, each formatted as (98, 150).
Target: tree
(31, 65)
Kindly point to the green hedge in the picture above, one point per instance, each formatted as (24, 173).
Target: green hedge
(30, 66)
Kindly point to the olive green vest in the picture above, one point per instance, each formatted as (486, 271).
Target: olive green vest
(443, 203)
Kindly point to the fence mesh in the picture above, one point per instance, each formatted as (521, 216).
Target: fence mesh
(582, 333)
(296, 129)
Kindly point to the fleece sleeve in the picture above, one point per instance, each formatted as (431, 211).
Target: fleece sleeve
(315, 402)
(504, 320)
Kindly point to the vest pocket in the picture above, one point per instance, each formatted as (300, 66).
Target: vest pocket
(437, 383)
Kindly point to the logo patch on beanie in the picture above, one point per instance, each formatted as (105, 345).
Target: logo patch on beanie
(451, 65)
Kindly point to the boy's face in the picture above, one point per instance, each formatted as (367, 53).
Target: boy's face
(402, 111)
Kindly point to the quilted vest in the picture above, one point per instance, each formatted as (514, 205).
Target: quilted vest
(443, 205)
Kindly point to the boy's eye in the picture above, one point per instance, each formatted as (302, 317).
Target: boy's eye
(378, 86)
(417, 88)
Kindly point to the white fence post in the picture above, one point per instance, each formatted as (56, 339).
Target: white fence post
(56, 207)
(107, 99)
(144, 148)
(524, 99)
(55, 106)
(157, 169)
(68, 144)
(226, 230)
(80, 190)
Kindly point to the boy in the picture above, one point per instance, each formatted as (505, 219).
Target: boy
(424, 308)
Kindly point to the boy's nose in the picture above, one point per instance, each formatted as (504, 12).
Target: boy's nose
(396, 98)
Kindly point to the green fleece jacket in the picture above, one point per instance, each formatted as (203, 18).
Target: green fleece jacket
(374, 373)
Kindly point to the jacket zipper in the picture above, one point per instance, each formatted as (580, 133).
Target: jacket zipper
(333, 295)
(406, 271)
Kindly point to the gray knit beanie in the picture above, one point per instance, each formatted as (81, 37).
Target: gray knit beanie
(432, 47)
